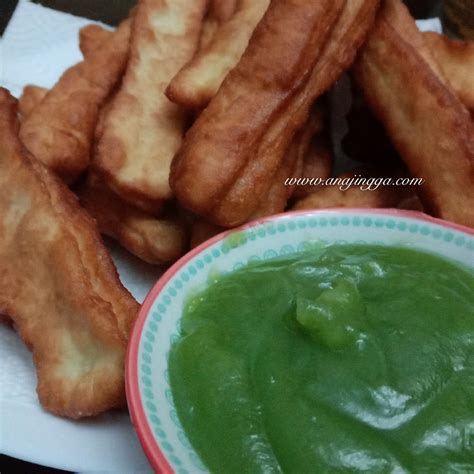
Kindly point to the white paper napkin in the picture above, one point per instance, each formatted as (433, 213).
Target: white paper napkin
(38, 45)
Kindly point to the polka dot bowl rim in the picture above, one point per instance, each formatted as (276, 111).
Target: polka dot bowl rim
(158, 429)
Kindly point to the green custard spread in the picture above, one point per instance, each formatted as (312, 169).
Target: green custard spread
(350, 358)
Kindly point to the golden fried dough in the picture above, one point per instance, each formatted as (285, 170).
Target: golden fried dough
(456, 60)
(154, 240)
(328, 197)
(91, 37)
(274, 201)
(30, 98)
(60, 130)
(237, 144)
(225, 136)
(197, 83)
(218, 12)
(59, 285)
(314, 148)
(318, 162)
(294, 163)
(425, 120)
(143, 129)
(222, 10)
(278, 194)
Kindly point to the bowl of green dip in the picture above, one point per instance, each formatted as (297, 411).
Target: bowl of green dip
(312, 342)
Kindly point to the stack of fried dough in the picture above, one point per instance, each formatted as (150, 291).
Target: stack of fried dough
(189, 118)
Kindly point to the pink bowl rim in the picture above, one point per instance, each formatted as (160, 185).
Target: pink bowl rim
(151, 448)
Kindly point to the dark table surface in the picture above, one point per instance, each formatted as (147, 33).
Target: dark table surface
(111, 12)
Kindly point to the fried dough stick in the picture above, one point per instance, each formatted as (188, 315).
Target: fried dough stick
(425, 120)
(142, 128)
(456, 60)
(154, 240)
(226, 134)
(238, 143)
(299, 157)
(60, 130)
(315, 149)
(318, 163)
(338, 54)
(328, 197)
(218, 12)
(197, 83)
(59, 285)
(30, 98)
(91, 36)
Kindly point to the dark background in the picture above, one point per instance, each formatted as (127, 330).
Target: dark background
(111, 12)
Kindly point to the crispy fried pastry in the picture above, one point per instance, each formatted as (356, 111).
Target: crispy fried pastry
(318, 162)
(237, 144)
(298, 158)
(197, 83)
(218, 12)
(456, 60)
(425, 120)
(327, 197)
(143, 129)
(222, 10)
(154, 240)
(276, 199)
(30, 98)
(59, 285)
(60, 130)
(314, 148)
(280, 54)
(91, 37)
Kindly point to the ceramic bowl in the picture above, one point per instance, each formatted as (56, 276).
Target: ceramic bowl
(148, 390)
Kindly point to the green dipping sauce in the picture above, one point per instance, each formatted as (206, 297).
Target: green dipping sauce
(351, 358)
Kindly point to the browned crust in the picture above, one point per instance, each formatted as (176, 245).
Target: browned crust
(59, 285)
(427, 123)
(241, 138)
(60, 130)
(456, 60)
(198, 81)
(314, 149)
(143, 129)
(218, 12)
(91, 37)
(154, 240)
(30, 98)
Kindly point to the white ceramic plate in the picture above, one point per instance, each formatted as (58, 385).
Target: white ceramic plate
(106, 444)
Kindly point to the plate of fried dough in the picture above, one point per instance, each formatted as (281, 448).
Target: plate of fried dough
(188, 119)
